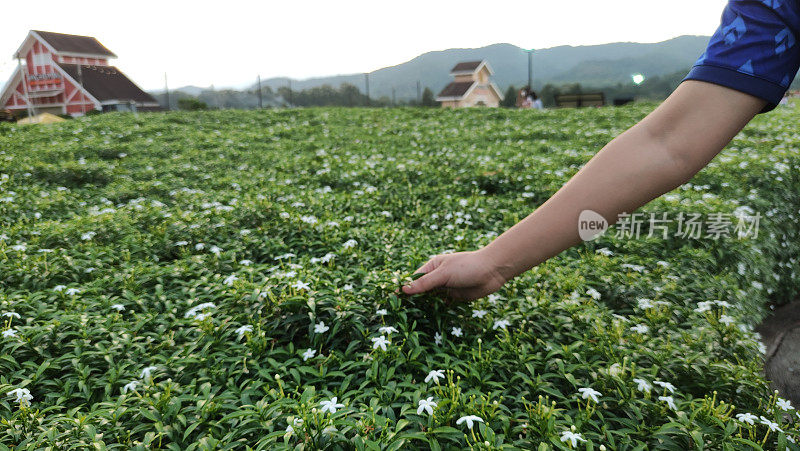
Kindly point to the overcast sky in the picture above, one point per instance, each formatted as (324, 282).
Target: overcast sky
(229, 43)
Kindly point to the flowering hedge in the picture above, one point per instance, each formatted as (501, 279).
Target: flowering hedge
(228, 280)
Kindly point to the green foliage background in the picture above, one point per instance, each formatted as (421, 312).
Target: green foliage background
(180, 202)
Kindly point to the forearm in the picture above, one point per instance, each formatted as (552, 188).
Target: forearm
(604, 186)
(656, 155)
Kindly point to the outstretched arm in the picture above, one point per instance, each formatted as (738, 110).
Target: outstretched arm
(661, 152)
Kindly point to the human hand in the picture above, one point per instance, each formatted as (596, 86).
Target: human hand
(464, 276)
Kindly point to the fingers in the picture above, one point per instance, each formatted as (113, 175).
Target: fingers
(436, 278)
(430, 265)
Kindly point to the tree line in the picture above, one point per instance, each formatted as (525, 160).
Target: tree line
(348, 95)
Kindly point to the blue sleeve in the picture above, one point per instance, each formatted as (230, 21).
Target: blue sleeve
(754, 50)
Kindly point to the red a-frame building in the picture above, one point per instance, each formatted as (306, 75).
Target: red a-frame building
(68, 74)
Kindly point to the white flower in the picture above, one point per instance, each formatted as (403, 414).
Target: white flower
(670, 402)
(243, 330)
(320, 327)
(593, 293)
(309, 354)
(297, 422)
(640, 328)
(350, 243)
(348, 287)
(72, 291)
(572, 437)
(456, 332)
(479, 313)
(246, 262)
(331, 405)
(469, 419)
(727, 320)
(88, 236)
(9, 333)
(192, 312)
(434, 375)
(380, 342)
(437, 338)
(130, 386)
(703, 306)
(146, 373)
(770, 424)
(118, 307)
(588, 392)
(387, 330)
(665, 385)
(501, 323)
(784, 404)
(637, 268)
(23, 396)
(230, 279)
(181, 243)
(493, 298)
(605, 251)
(199, 246)
(643, 385)
(426, 405)
(201, 316)
(381, 312)
(748, 418)
(645, 303)
(300, 285)
(11, 315)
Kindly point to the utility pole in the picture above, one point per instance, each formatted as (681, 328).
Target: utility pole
(24, 77)
(419, 93)
(260, 102)
(83, 97)
(166, 91)
(366, 82)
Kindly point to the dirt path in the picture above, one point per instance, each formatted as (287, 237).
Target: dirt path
(781, 335)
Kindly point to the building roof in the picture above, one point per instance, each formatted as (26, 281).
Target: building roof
(456, 89)
(469, 66)
(106, 83)
(70, 43)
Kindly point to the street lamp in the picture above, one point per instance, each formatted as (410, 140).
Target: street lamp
(530, 68)
(637, 79)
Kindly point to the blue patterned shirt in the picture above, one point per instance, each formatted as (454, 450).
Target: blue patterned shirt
(754, 50)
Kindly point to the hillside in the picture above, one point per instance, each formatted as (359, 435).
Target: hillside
(593, 64)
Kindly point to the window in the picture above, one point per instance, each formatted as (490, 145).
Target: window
(41, 59)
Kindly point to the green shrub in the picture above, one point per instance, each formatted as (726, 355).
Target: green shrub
(230, 275)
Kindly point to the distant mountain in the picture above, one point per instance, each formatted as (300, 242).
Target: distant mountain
(192, 90)
(589, 65)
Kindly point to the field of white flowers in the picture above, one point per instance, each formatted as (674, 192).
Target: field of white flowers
(227, 280)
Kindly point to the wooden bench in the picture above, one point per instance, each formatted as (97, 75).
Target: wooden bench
(580, 100)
